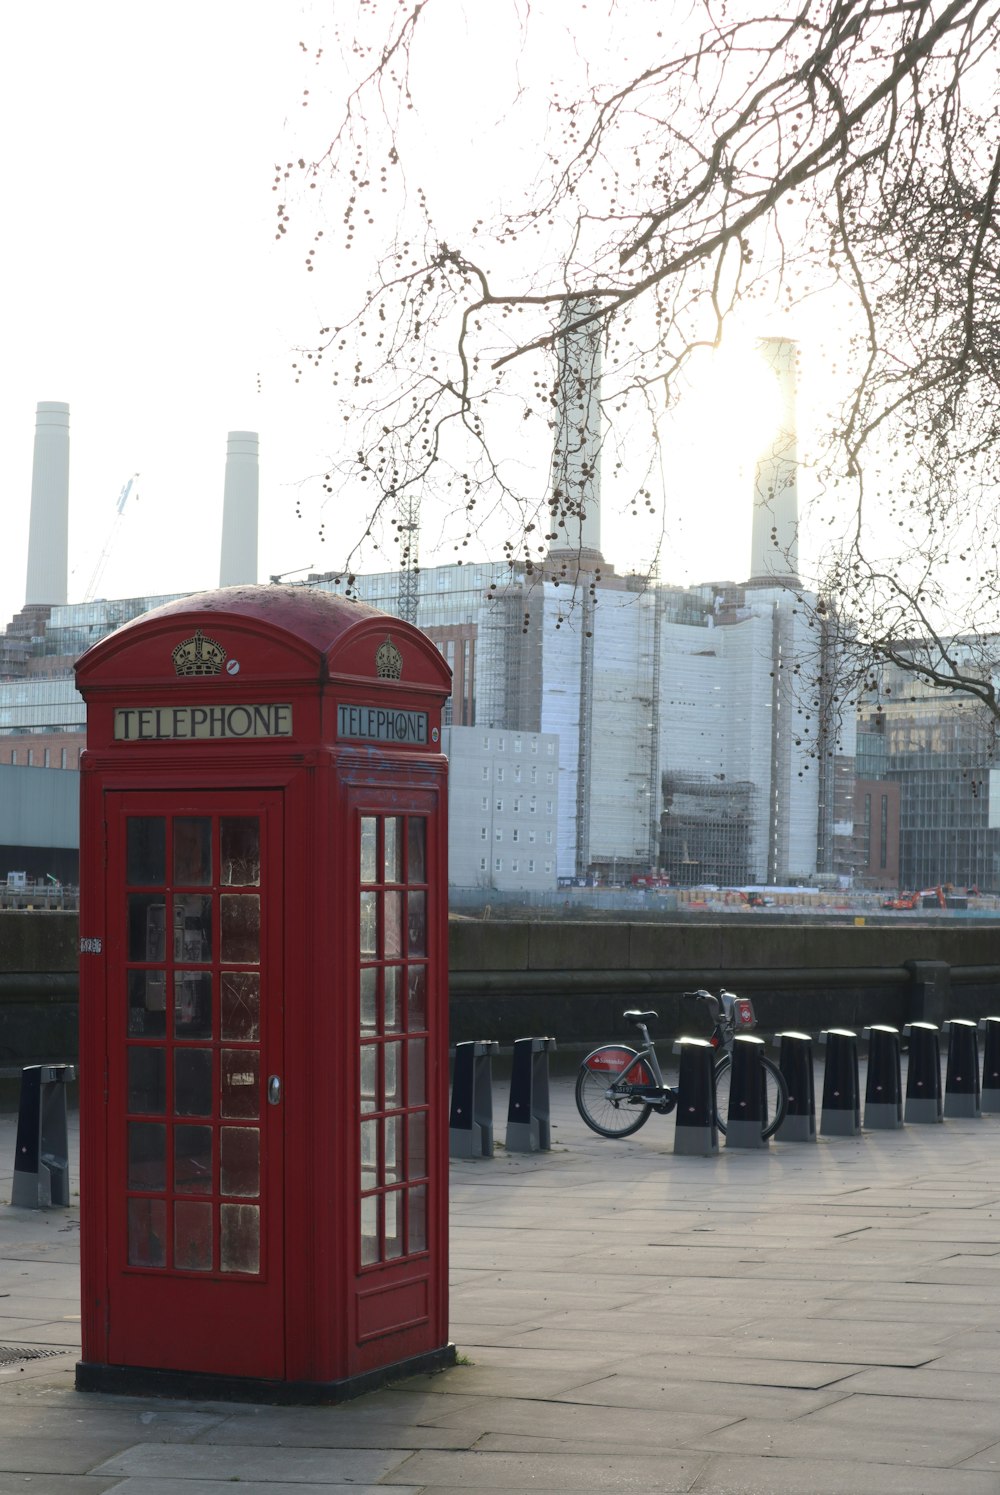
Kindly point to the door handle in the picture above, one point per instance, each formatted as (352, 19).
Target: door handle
(274, 1089)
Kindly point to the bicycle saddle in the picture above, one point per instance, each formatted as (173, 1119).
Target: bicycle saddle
(639, 1017)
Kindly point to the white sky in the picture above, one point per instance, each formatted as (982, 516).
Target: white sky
(143, 286)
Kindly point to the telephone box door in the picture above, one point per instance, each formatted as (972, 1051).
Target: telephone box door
(194, 1075)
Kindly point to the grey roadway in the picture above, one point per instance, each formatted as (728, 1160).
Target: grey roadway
(814, 1319)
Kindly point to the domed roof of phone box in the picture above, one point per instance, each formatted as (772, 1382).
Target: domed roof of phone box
(287, 630)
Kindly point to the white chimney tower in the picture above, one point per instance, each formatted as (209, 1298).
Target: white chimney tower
(576, 458)
(774, 548)
(238, 563)
(48, 531)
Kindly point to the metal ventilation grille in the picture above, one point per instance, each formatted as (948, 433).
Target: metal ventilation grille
(9, 1353)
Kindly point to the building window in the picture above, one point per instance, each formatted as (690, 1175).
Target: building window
(47, 760)
(498, 864)
(531, 805)
(514, 834)
(884, 832)
(534, 744)
(550, 748)
(499, 834)
(531, 864)
(548, 838)
(486, 740)
(517, 744)
(500, 804)
(550, 777)
(482, 833)
(486, 771)
(517, 773)
(548, 867)
(515, 865)
(499, 775)
(534, 775)
(531, 838)
(62, 758)
(548, 807)
(482, 864)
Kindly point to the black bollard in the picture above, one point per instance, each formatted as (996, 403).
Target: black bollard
(795, 1060)
(470, 1126)
(696, 1134)
(990, 1093)
(884, 1086)
(961, 1084)
(528, 1116)
(41, 1152)
(841, 1088)
(924, 1100)
(747, 1094)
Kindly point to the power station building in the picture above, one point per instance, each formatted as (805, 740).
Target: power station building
(660, 728)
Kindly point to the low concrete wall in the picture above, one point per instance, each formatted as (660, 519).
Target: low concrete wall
(573, 980)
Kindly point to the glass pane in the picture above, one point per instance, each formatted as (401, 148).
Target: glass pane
(147, 926)
(241, 1083)
(393, 1077)
(192, 851)
(147, 1155)
(192, 928)
(192, 1004)
(192, 1159)
(240, 920)
(392, 1205)
(239, 1231)
(239, 1154)
(147, 1232)
(392, 914)
(369, 1155)
(417, 863)
(192, 1236)
(393, 849)
(193, 1082)
(417, 1014)
(369, 1230)
(416, 1071)
(369, 916)
(147, 1004)
(391, 1006)
(240, 1005)
(369, 983)
(417, 1211)
(416, 1127)
(146, 850)
(417, 923)
(391, 1128)
(239, 854)
(369, 1077)
(368, 848)
(147, 1080)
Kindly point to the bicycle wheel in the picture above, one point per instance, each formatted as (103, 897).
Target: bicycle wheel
(602, 1097)
(775, 1094)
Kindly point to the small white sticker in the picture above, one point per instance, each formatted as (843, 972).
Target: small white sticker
(90, 946)
(232, 666)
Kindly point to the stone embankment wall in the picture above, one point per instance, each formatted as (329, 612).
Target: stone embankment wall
(573, 980)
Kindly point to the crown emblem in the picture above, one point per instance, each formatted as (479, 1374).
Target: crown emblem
(198, 656)
(388, 660)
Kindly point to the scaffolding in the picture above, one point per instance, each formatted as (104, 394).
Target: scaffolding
(707, 830)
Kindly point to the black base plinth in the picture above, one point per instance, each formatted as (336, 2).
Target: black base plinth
(137, 1380)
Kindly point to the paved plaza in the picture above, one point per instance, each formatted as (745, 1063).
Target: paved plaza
(818, 1319)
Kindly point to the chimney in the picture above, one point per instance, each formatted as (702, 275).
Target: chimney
(238, 562)
(576, 458)
(48, 532)
(774, 548)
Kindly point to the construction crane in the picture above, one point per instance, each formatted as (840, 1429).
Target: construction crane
(109, 543)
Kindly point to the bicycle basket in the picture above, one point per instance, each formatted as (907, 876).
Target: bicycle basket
(739, 1011)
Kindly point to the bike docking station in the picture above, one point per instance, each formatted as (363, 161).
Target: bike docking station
(961, 1085)
(41, 1152)
(695, 1133)
(470, 1123)
(989, 1097)
(747, 1097)
(528, 1113)
(264, 1001)
(924, 1098)
(795, 1060)
(884, 1084)
(841, 1116)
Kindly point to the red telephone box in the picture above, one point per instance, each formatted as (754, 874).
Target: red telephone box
(263, 989)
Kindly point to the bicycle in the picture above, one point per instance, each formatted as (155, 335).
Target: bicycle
(619, 1088)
